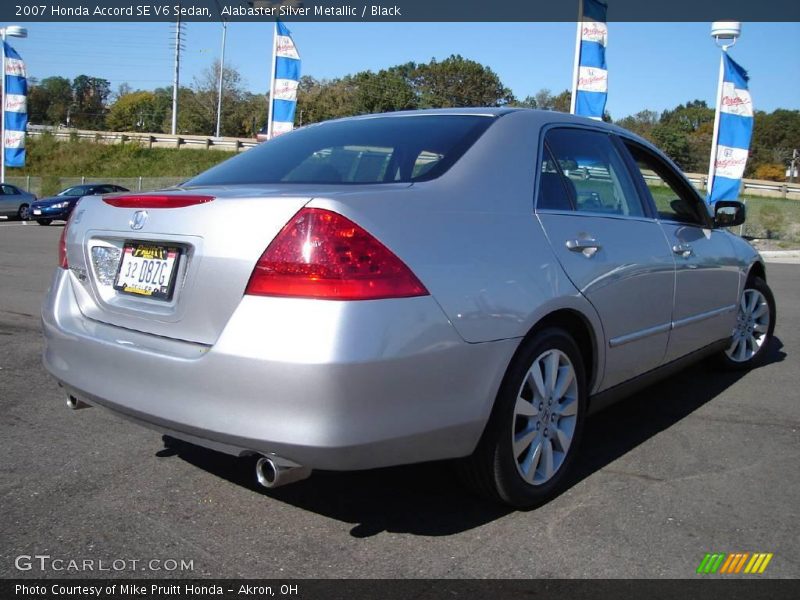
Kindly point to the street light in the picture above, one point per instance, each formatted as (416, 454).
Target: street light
(221, 72)
(725, 34)
(221, 68)
(10, 31)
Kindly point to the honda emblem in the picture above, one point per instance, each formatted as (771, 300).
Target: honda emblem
(138, 220)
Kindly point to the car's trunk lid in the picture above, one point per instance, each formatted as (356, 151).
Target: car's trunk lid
(216, 245)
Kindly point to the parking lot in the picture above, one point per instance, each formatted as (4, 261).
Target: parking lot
(703, 462)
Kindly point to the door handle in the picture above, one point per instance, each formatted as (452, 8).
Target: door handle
(588, 247)
(684, 250)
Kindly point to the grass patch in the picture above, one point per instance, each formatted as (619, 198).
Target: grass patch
(770, 218)
(773, 218)
(53, 164)
(47, 156)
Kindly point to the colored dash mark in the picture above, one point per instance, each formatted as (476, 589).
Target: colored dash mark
(758, 563)
(710, 563)
(733, 563)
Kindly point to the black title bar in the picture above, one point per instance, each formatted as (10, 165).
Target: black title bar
(738, 588)
(397, 10)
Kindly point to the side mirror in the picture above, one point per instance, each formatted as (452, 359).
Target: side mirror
(729, 213)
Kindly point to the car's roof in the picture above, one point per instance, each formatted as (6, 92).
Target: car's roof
(544, 117)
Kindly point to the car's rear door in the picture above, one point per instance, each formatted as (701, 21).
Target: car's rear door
(707, 271)
(609, 246)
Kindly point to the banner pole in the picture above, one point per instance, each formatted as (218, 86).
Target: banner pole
(3, 118)
(576, 62)
(712, 163)
(272, 80)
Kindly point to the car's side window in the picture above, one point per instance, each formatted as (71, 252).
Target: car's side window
(673, 200)
(593, 167)
(9, 190)
(555, 191)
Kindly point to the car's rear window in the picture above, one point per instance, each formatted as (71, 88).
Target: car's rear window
(373, 150)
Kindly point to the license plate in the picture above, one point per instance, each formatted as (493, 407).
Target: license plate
(148, 269)
(36, 211)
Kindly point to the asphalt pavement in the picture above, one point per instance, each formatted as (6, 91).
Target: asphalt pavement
(702, 462)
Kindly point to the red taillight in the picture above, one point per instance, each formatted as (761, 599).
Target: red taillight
(321, 254)
(156, 200)
(62, 246)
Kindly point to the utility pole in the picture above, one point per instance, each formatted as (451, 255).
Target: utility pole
(793, 165)
(221, 72)
(176, 78)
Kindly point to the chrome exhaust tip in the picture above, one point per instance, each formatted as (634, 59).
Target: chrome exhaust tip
(273, 471)
(74, 404)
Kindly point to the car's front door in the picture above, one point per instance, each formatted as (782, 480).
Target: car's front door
(707, 272)
(612, 250)
(10, 199)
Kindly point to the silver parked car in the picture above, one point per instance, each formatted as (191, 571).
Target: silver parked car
(14, 203)
(399, 288)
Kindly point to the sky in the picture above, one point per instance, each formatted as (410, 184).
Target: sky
(652, 66)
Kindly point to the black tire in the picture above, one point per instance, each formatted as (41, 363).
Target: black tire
(493, 470)
(724, 360)
(24, 213)
(44, 221)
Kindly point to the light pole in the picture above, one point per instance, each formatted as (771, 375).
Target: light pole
(725, 34)
(10, 31)
(177, 75)
(221, 71)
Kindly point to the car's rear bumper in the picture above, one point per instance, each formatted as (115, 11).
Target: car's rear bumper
(329, 385)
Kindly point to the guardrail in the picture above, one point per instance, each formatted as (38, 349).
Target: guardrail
(150, 140)
(766, 188)
(774, 189)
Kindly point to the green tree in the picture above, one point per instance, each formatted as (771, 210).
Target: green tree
(385, 91)
(775, 135)
(684, 133)
(135, 111)
(197, 106)
(642, 123)
(248, 115)
(89, 96)
(320, 100)
(457, 81)
(561, 103)
(49, 101)
(545, 100)
(527, 102)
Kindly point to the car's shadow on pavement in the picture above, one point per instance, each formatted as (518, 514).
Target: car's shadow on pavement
(428, 499)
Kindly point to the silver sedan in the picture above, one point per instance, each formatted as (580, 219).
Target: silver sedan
(15, 203)
(389, 289)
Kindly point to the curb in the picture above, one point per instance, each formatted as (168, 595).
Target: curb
(781, 256)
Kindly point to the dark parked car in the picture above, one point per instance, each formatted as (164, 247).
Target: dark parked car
(46, 210)
(14, 202)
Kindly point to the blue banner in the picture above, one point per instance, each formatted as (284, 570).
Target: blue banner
(591, 87)
(284, 86)
(15, 108)
(735, 131)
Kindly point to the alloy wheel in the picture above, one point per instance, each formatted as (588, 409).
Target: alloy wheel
(752, 325)
(545, 416)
